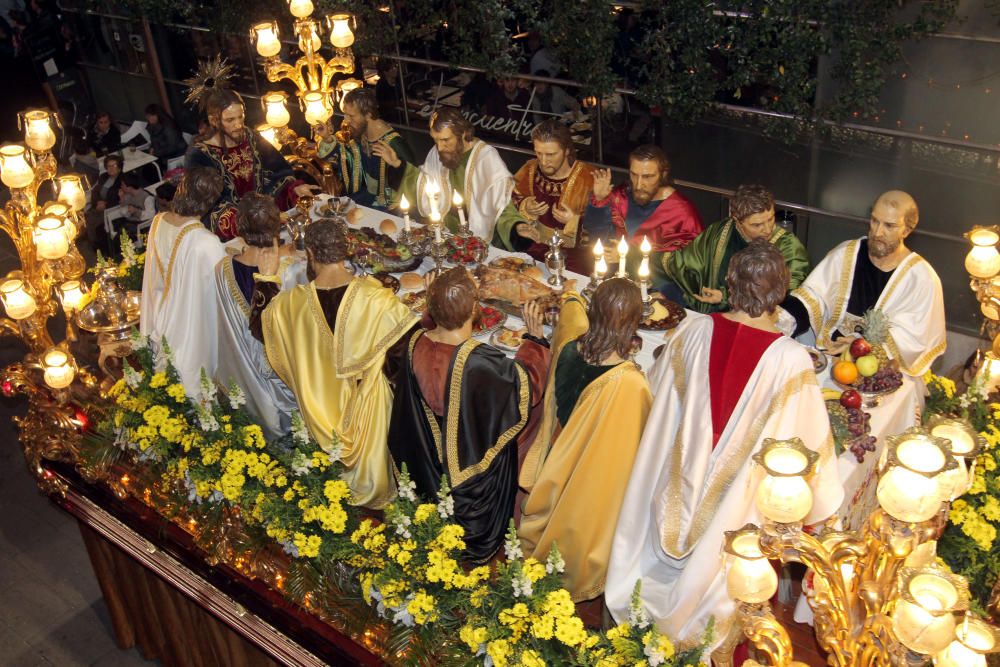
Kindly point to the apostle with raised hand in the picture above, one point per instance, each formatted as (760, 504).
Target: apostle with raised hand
(551, 192)
(692, 478)
(178, 281)
(876, 273)
(596, 405)
(368, 154)
(698, 270)
(459, 163)
(241, 356)
(647, 206)
(333, 342)
(460, 408)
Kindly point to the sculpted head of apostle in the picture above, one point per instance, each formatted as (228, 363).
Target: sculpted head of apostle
(752, 207)
(614, 316)
(198, 192)
(554, 148)
(326, 243)
(360, 108)
(648, 173)
(453, 299)
(258, 220)
(452, 134)
(757, 279)
(894, 217)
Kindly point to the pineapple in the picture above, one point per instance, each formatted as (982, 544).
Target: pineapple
(875, 327)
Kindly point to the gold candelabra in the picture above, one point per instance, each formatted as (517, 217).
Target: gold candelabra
(879, 598)
(313, 76)
(49, 278)
(983, 266)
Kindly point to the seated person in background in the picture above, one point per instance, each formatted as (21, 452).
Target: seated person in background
(509, 99)
(551, 100)
(178, 282)
(697, 272)
(724, 383)
(368, 155)
(105, 137)
(164, 136)
(647, 206)
(459, 408)
(138, 205)
(460, 162)
(164, 195)
(83, 158)
(104, 195)
(550, 194)
(875, 273)
(596, 406)
(241, 356)
(329, 341)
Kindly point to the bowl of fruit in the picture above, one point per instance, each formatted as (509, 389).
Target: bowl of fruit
(868, 370)
(466, 250)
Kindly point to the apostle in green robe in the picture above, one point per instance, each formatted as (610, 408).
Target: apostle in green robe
(698, 271)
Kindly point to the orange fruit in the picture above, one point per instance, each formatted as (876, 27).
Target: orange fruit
(845, 372)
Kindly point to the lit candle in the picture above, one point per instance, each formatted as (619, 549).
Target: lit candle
(16, 300)
(598, 250)
(432, 189)
(910, 489)
(345, 86)
(456, 199)
(309, 39)
(71, 192)
(275, 111)
(15, 172)
(300, 8)
(38, 134)
(268, 44)
(59, 371)
(983, 260)
(750, 577)
(973, 640)
(341, 35)
(922, 618)
(644, 247)
(622, 254)
(601, 267)
(404, 205)
(644, 278)
(51, 238)
(71, 294)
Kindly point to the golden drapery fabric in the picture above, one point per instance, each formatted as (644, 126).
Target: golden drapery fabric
(163, 623)
(354, 400)
(577, 476)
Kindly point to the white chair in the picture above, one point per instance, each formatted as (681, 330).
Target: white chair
(138, 129)
(188, 137)
(111, 214)
(175, 162)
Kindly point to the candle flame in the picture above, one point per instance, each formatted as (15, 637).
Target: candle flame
(602, 267)
(645, 247)
(598, 249)
(435, 216)
(623, 246)
(456, 199)
(644, 268)
(404, 203)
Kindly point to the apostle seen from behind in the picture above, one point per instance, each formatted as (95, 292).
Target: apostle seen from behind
(693, 477)
(596, 406)
(334, 343)
(460, 408)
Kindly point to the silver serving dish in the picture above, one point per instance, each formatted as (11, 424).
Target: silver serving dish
(111, 316)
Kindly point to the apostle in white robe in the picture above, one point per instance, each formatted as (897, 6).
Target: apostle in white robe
(724, 383)
(460, 163)
(241, 356)
(178, 283)
(877, 272)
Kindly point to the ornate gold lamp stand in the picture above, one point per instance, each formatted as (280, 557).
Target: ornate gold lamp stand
(879, 597)
(313, 76)
(50, 276)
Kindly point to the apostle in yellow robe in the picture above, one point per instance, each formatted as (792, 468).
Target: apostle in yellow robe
(334, 342)
(595, 410)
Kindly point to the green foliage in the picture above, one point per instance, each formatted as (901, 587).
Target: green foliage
(581, 34)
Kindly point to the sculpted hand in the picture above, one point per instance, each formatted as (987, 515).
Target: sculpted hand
(305, 190)
(268, 260)
(709, 295)
(528, 231)
(534, 208)
(837, 347)
(534, 318)
(565, 216)
(602, 183)
(387, 153)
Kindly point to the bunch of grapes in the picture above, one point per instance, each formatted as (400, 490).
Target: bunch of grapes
(861, 440)
(886, 379)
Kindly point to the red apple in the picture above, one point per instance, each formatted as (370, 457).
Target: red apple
(850, 399)
(860, 347)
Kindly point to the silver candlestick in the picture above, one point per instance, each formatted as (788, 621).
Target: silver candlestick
(555, 260)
